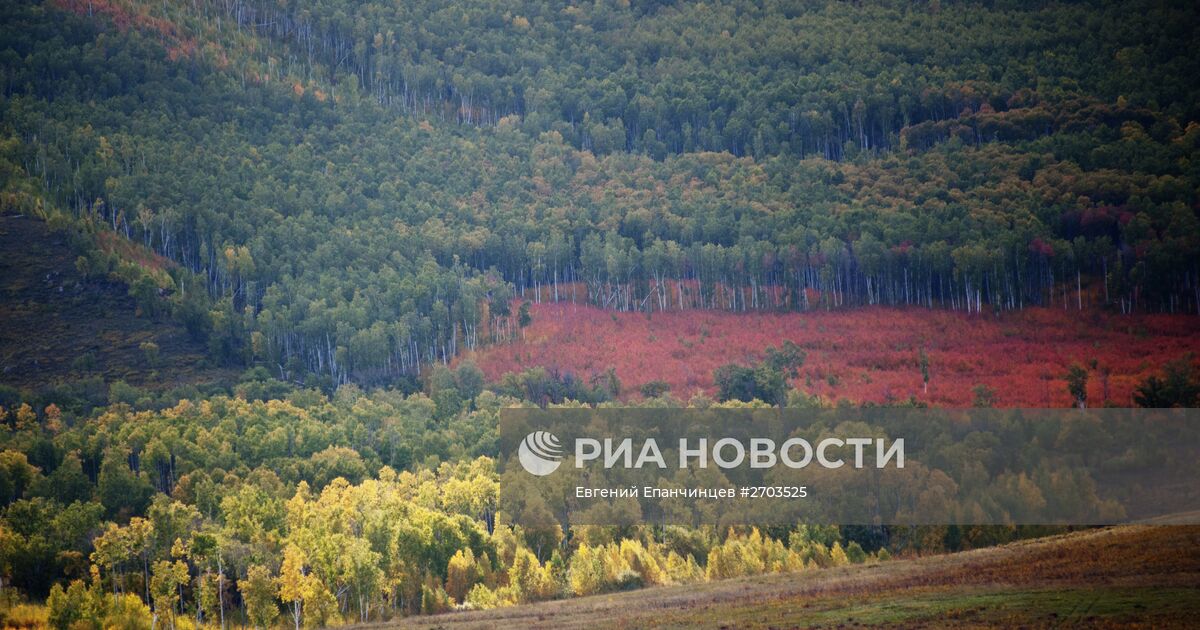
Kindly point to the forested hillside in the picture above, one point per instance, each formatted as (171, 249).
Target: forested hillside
(350, 191)
(272, 268)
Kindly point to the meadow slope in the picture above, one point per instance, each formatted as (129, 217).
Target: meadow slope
(863, 355)
(1147, 576)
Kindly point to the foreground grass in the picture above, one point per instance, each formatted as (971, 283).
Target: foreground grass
(1146, 576)
(952, 607)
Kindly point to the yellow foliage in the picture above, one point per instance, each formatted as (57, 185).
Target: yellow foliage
(22, 616)
(461, 574)
(529, 579)
(682, 570)
(481, 597)
(837, 556)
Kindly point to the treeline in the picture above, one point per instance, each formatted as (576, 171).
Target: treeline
(319, 235)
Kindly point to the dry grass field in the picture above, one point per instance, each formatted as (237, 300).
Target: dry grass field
(1130, 576)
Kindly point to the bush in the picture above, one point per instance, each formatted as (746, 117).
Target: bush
(128, 613)
(66, 607)
(837, 556)
(1179, 386)
(480, 597)
(855, 553)
(434, 600)
(654, 389)
(85, 362)
(150, 352)
(628, 580)
(984, 396)
(21, 616)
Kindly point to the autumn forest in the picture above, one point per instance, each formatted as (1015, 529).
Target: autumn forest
(271, 269)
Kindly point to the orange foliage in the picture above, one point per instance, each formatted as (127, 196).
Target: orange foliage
(126, 15)
(867, 354)
(125, 249)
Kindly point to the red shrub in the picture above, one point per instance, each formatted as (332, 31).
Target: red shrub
(862, 355)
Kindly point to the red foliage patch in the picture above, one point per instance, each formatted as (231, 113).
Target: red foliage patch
(868, 354)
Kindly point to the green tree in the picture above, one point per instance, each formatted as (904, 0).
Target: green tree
(258, 591)
(122, 491)
(166, 582)
(524, 316)
(984, 396)
(1179, 386)
(16, 474)
(923, 361)
(654, 389)
(150, 353)
(1077, 379)
(735, 382)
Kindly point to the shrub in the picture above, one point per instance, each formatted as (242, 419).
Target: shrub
(855, 553)
(628, 580)
(654, 389)
(150, 352)
(480, 597)
(434, 600)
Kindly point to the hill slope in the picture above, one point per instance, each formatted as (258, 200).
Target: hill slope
(56, 324)
(1106, 577)
(355, 185)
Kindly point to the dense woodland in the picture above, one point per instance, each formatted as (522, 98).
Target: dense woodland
(343, 196)
(272, 504)
(348, 193)
(314, 511)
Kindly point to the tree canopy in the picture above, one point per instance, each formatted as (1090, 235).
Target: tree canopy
(346, 192)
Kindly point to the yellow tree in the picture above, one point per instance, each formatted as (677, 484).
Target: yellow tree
(528, 578)
(26, 418)
(295, 582)
(461, 574)
(586, 575)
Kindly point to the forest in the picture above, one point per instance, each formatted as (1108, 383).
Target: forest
(306, 202)
(279, 504)
(391, 220)
(275, 503)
